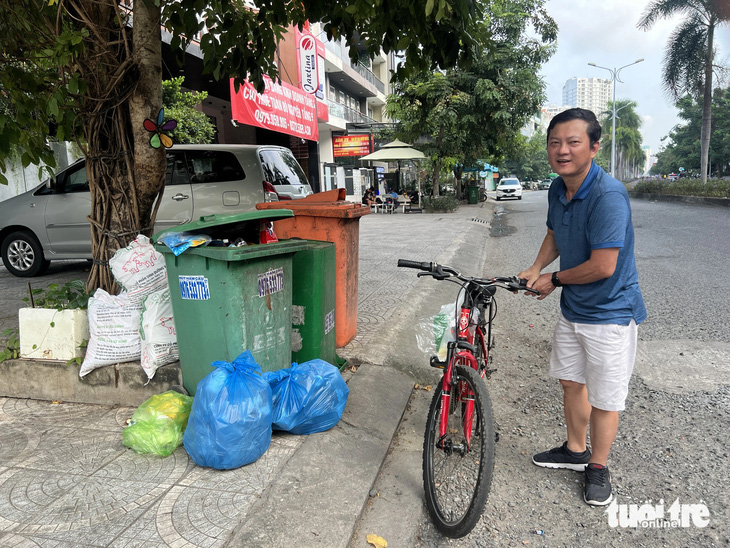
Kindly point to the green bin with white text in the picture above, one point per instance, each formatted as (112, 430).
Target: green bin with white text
(229, 299)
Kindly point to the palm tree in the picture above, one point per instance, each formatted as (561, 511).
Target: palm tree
(688, 59)
(629, 153)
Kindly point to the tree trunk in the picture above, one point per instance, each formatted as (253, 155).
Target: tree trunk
(146, 101)
(707, 105)
(458, 174)
(436, 176)
(125, 173)
(437, 163)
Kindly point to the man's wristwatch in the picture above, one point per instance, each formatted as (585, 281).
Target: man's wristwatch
(556, 281)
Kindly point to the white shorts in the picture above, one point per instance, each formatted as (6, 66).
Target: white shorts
(601, 356)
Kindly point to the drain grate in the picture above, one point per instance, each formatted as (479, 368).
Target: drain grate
(481, 221)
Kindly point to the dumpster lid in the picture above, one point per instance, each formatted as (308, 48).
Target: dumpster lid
(339, 209)
(208, 223)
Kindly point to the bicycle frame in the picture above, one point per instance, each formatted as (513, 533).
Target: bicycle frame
(461, 357)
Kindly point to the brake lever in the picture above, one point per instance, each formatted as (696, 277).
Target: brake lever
(434, 275)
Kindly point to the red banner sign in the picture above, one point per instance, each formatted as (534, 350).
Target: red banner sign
(351, 145)
(281, 107)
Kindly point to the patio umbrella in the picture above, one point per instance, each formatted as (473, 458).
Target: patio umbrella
(395, 151)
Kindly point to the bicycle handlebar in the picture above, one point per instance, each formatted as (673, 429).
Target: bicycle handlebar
(405, 263)
(441, 272)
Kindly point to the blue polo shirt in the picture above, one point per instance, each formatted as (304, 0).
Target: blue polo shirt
(597, 217)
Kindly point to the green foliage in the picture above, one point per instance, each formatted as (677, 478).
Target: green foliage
(685, 55)
(42, 90)
(689, 55)
(529, 160)
(477, 111)
(12, 345)
(714, 188)
(242, 43)
(193, 126)
(443, 204)
(37, 100)
(78, 360)
(71, 295)
(683, 146)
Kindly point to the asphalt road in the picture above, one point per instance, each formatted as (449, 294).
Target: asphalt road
(673, 435)
(682, 253)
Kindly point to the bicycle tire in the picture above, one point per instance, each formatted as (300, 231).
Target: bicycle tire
(448, 474)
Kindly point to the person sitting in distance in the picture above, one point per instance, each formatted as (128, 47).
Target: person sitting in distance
(368, 198)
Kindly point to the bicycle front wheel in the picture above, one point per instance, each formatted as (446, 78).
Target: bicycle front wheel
(457, 473)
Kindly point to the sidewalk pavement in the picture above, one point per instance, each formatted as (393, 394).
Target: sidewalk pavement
(66, 480)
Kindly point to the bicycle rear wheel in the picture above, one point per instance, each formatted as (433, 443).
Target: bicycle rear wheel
(456, 475)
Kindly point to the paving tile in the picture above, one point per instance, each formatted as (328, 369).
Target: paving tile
(131, 466)
(73, 451)
(251, 479)
(64, 508)
(79, 415)
(188, 517)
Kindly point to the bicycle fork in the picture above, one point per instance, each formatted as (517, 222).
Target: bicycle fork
(465, 396)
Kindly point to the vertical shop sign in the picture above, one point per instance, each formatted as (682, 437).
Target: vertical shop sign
(308, 63)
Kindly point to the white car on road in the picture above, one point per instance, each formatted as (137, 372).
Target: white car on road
(509, 187)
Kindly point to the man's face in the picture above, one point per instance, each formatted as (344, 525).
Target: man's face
(569, 151)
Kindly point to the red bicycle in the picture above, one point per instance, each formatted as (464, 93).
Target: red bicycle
(458, 448)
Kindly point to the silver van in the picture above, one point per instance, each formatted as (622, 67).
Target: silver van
(49, 222)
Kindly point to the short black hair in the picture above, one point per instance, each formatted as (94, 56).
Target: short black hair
(593, 129)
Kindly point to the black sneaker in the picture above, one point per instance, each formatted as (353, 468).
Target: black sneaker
(597, 485)
(562, 457)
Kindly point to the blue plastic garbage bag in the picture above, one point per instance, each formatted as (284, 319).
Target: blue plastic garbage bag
(230, 421)
(308, 397)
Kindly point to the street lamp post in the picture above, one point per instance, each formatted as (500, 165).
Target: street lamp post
(614, 76)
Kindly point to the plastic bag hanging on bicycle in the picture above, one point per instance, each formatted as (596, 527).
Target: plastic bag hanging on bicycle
(435, 332)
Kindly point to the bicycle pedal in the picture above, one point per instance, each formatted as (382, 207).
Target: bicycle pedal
(434, 362)
(488, 372)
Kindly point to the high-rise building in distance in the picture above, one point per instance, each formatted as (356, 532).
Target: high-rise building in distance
(589, 93)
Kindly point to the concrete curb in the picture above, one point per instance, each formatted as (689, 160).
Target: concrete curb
(309, 504)
(685, 199)
(121, 384)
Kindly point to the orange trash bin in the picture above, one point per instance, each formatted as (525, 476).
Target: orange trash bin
(336, 222)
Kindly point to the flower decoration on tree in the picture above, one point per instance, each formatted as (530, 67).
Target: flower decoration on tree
(159, 138)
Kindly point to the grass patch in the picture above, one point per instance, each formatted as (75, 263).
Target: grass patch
(714, 188)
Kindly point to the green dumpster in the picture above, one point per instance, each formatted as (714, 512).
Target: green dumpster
(473, 194)
(313, 303)
(229, 299)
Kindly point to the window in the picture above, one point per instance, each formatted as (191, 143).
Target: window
(177, 172)
(76, 181)
(281, 168)
(208, 166)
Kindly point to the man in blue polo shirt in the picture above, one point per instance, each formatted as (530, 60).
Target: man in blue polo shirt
(594, 343)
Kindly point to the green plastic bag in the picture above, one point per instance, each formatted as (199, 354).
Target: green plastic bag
(158, 425)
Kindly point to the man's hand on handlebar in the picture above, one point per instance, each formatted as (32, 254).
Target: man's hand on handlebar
(539, 282)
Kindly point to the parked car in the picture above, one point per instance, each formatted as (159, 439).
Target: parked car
(544, 185)
(49, 222)
(509, 187)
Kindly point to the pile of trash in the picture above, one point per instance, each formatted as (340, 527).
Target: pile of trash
(230, 421)
(137, 324)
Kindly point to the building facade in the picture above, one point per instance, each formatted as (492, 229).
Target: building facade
(589, 93)
(322, 96)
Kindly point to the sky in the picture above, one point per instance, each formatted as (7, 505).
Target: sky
(604, 32)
